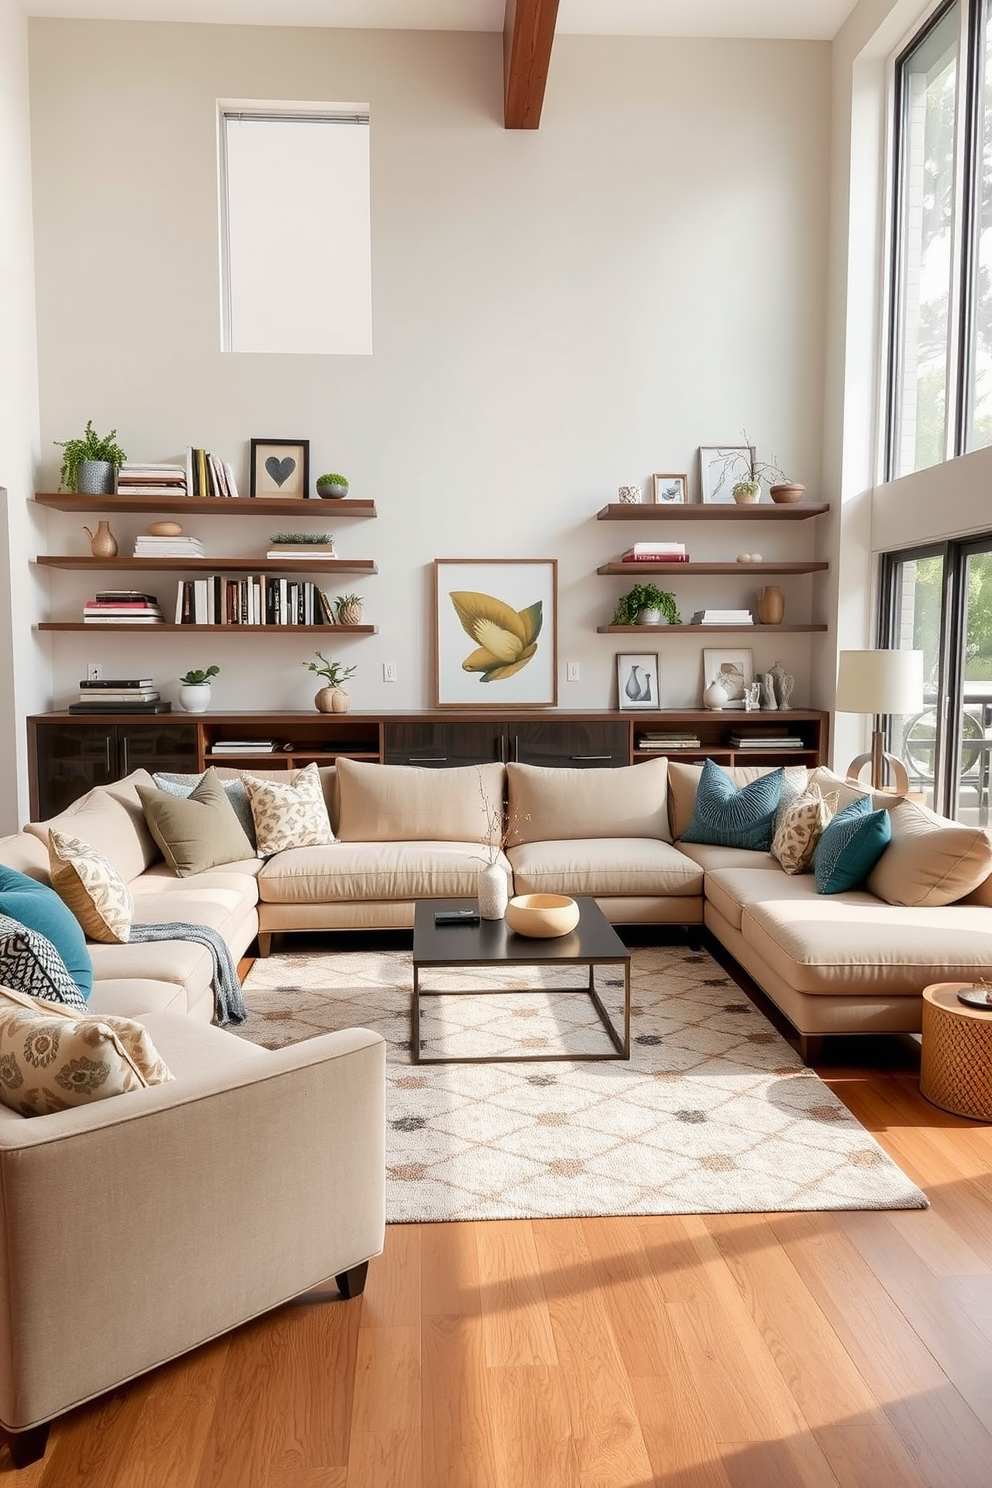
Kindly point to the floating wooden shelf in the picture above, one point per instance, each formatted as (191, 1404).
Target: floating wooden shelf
(699, 511)
(677, 569)
(101, 628)
(330, 566)
(210, 506)
(697, 630)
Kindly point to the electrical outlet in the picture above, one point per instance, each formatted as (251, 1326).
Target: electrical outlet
(571, 671)
(389, 671)
(94, 671)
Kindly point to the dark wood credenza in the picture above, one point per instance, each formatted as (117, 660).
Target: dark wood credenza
(69, 754)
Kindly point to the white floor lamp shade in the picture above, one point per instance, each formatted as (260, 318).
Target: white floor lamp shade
(880, 683)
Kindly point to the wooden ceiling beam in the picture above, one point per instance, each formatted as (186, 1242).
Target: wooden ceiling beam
(528, 36)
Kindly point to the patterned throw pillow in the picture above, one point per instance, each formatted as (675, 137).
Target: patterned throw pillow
(185, 785)
(53, 1058)
(850, 846)
(799, 828)
(289, 813)
(91, 886)
(731, 816)
(30, 963)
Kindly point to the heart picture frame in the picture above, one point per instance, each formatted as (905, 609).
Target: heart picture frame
(279, 469)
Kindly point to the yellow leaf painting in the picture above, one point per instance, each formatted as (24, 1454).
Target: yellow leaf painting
(505, 638)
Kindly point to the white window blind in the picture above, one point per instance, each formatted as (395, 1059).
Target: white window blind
(296, 251)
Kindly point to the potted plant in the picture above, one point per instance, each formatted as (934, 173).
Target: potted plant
(90, 464)
(645, 600)
(194, 689)
(332, 698)
(349, 609)
(332, 484)
(747, 474)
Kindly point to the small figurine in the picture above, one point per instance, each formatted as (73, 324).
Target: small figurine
(752, 697)
(779, 676)
(768, 699)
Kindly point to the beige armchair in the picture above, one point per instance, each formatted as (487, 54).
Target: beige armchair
(139, 1227)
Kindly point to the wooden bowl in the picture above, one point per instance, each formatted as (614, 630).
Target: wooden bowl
(165, 529)
(786, 492)
(542, 916)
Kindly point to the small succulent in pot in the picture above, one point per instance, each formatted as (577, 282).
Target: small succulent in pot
(332, 484)
(195, 678)
(332, 698)
(349, 609)
(92, 448)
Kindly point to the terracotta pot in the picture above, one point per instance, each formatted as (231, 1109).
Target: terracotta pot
(332, 700)
(786, 492)
(771, 605)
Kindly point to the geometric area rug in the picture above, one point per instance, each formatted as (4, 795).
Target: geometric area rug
(713, 1114)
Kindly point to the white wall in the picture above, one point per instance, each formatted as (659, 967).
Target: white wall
(554, 313)
(24, 669)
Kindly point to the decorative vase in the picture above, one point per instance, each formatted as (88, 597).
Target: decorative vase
(349, 614)
(331, 489)
(95, 477)
(629, 495)
(103, 543)
(332, 700)
(715, 696)
(784, 493)
(195, 696)
(771, 605)
(493, 891)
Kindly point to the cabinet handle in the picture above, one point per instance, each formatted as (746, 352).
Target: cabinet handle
(110, 762)
(426, 759)
(124, 758)
(501, 741)
(516, 749)
(591, 756)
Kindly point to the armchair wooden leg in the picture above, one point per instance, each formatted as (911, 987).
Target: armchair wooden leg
(28, 1446)
(264, 942)
(810, 1047)
(352, 1283)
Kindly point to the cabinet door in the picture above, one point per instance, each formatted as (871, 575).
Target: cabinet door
(581, 744)
(162, 746)
(70, 759)
(443, 743)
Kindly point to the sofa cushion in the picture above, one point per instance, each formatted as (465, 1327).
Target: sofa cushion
(109, 818)
(733, 887)
(53, 1058)
(91, 886)
(38, 906)
(850, 846)
(930, 860)
(411, 803)
(547, 803)
(799, 827)
(288, 813)
(604, 866)
(353, 871)
(198, 831)
(735, 816)
(30, 963)
(235, 789)
(683, 783)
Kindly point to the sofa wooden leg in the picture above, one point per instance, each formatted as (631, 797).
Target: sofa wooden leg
(28, 1446)
(264, 942)
(810, 1047)
(352, 1283)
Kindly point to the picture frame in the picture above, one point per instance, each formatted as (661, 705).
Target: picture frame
(279, 469)
(514, 604)
(670, 490)
(720, 465)
(637, 681)
(735, 669)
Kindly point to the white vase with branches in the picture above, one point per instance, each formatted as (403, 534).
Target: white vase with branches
(492, 888)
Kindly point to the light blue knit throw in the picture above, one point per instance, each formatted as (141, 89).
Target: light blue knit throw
(228, 1006)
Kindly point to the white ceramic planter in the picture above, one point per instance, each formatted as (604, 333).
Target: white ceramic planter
(195, 696)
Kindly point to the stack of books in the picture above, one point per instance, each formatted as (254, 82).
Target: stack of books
(151, 480)
(147, 546)
(208, 475)
(122, 607)
(771, 736)
(302, 550)
(656, 552)
(119, 695)
(243, 746)
(664, 742)
(723, 617)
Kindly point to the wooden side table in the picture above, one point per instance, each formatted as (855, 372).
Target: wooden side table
(956, 1058)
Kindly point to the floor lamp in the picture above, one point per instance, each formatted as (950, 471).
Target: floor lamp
(880, 683)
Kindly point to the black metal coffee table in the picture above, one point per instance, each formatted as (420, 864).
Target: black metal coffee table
(592, 943)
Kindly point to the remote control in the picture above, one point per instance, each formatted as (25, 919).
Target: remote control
(457, 917)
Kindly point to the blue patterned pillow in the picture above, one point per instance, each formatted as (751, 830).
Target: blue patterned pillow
(185, 785)
(850, 846)
(735, 816)
(30, 963)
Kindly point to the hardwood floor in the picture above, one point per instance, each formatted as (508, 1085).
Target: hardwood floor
(843, 1350)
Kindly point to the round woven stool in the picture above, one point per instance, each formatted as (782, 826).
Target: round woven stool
(956, 1058)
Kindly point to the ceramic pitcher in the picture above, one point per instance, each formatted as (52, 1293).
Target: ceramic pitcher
(103, 543)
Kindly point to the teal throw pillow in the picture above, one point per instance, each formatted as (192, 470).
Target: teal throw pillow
(185, 785)
(728, 815)
(850, 846)
(38, 907)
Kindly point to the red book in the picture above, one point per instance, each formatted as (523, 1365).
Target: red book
(632, 557)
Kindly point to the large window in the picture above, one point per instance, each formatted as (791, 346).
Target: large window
(940, 352)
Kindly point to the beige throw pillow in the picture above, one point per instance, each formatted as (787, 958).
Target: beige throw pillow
(91, 886)
(289, 813)
(413, 803)
(548, 803)
(930, 860)
(198, 831)
(53, 1058)
(799, 829)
